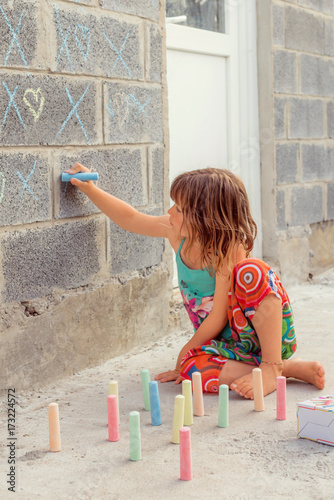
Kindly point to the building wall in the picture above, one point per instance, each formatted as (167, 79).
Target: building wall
(296, 89)
(80, 81)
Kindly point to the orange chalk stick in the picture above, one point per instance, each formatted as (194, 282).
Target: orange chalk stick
(54, 428)
(258, 390)
(198, 394)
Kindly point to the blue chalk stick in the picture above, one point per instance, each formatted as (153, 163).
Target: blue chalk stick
(82, 176)
(155, 403)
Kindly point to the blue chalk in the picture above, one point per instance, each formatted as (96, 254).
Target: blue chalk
(82, 176)
(155, 403)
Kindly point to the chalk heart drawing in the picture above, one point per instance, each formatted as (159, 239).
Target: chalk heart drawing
(34, 101)
(122, 106)
(82, 37)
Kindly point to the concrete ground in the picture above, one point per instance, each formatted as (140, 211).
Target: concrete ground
(255, 457)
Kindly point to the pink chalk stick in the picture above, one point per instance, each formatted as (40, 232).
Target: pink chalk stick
(185, 454)
(281, 399)
(113, 429)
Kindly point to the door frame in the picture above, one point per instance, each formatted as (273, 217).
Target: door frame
(239, 46)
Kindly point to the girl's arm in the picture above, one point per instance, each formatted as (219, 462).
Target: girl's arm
(123, 214)
(208, 330)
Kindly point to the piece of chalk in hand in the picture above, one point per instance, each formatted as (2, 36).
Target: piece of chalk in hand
(82, 176)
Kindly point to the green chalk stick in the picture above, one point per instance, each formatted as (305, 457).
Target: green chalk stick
(145, 379)
(135, 440)
(223, 410)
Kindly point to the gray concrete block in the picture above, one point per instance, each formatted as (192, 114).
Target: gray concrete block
(133, 113)
(155, 53)
(75, 39)
(121, 173)
(278, 25)
(156, 167)
(85, 42)
(145, 8)
(287, 157)
(25, 188)
(304, 31)
(330, 120)
(121, 52)
(325, 6)
(285, 72)
(36, 261)
(317, 76)
(130, 252)
(46, 110)
(20, 34)
(306, 205)
(280, 210)
(330, 201)
(329, 37)
(306, 119)
(318, 162)
(281, 111)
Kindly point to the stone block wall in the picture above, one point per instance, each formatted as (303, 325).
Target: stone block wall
(299, 157)
(80, 80)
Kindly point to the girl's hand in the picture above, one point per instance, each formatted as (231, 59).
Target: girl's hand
(82, 186)
(169, 376)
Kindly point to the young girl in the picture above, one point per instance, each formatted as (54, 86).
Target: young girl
(240, 312)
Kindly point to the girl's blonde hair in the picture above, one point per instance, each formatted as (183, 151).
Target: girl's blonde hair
(216, 214)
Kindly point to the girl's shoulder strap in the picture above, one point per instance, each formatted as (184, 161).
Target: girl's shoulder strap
(179, 249)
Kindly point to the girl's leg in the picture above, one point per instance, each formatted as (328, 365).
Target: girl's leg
(267, 322)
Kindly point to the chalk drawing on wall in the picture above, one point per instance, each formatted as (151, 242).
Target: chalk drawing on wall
(120, 101)
(83, 39)
(10, 104)
(119, 53)
(140, 107)
(2, 186)
(38, 100)
(14, 37)
(64, 38)
(25, 182)
(74, 110)
(119, 106)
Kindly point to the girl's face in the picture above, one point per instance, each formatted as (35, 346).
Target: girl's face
(176, 220)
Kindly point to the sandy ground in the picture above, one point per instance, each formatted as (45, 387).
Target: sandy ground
(257, 456)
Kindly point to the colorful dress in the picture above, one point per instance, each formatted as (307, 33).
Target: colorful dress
(252, 280)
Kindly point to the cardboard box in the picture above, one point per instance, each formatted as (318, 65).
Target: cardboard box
(315, 419)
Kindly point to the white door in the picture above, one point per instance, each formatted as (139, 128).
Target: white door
(212, 91)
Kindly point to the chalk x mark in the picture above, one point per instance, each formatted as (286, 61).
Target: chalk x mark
(25, 182)
(12, 103)
(140, 106)
(64, 37)
(85, 32)
(14, 38)
(74, 110)
(119, 53)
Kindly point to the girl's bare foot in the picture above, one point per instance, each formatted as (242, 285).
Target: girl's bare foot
(244, 385)
(311, 372)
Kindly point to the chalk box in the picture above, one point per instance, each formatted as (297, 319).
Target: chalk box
(315, 419)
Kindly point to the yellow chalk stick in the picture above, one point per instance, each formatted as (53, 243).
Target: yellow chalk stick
(113, 390)
(188, 402)
(178, 418)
